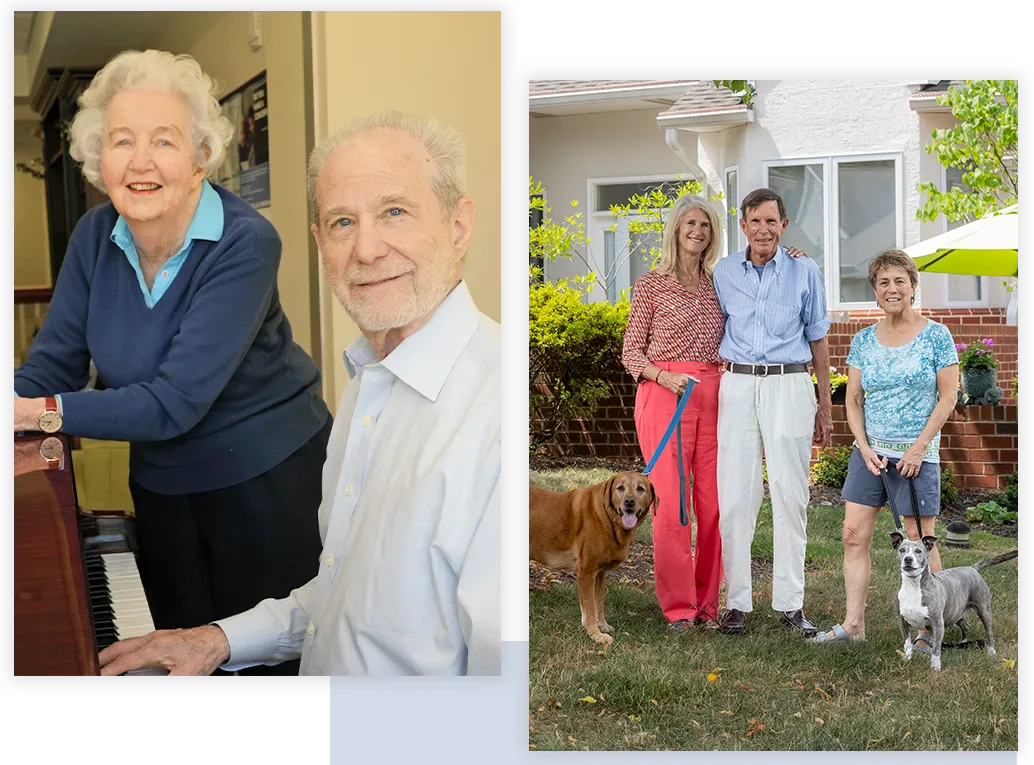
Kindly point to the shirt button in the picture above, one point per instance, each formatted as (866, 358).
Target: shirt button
(367, 420)
(165, 274)
(329, 560)
(310, 629)
(347, 490)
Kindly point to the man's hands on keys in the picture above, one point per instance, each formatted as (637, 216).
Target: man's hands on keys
(197, 651)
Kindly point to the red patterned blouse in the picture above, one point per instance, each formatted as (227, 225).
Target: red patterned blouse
(667, 323)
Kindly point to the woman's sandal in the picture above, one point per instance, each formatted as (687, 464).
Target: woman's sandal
(839, 636)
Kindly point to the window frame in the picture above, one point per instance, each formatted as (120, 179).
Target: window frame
(830, 199)
(602, 220)
(732, 231)
(545, 217)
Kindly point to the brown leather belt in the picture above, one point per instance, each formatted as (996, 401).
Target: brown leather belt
(764, 370)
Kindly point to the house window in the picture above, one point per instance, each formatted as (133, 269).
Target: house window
(843, 211)
(535, 219)
(620, 256)
(803, 189)
(732, 201)
(960, 289)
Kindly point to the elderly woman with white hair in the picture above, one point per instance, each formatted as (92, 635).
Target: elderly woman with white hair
(171, 290)
(675, 328)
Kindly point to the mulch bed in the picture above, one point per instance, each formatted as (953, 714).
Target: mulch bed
(637, 570)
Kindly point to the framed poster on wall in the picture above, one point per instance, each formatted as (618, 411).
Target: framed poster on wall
(245, 169)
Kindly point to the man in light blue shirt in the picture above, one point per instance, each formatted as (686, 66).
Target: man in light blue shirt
(775, 323)
(408, 579)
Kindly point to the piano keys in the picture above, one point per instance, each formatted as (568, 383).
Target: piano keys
(77, 587)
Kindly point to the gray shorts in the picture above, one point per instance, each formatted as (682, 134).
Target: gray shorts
(865, 488)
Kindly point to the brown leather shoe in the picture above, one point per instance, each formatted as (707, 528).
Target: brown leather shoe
(795, 620)
(734, 622)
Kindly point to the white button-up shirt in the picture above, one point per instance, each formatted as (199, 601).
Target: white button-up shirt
(408, 581)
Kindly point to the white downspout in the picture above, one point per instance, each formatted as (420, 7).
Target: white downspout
(671, 137)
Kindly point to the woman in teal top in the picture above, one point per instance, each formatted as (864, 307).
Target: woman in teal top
(902, 382)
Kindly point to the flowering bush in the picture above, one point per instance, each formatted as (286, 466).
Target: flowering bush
(977, 355)
(836, 380)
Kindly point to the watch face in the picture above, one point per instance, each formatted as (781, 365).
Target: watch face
(51, 449)
(50, 422)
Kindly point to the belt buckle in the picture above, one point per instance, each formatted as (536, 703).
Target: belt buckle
(766, 369)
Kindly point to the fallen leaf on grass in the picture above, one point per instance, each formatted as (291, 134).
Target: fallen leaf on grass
(712, 676)
(633, 718)
(725, 712)
(532, 730)
(755, 726)
(532, 746)
(820, 721)
(588, 699)
(824, 694)
(1010, 663)
(553, 703)
(796, 714)
(907, 734)
(745, 688)
(654, 702)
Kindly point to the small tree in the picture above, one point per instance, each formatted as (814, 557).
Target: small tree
(984, 144)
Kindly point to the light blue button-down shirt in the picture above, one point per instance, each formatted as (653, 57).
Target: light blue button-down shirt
(770, 319)
(206, 224)
(408, 582)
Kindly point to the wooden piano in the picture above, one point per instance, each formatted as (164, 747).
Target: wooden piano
(76, 584)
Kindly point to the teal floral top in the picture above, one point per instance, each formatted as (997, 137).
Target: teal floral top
(900, 386)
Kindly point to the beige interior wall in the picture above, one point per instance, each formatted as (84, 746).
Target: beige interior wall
(445, 65)
(219, 42)
(31, 242)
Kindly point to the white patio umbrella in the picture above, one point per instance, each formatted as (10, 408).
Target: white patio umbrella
(986, 247)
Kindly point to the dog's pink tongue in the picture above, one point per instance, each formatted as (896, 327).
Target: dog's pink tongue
(629, 520)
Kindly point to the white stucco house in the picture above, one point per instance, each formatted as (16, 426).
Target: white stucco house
(846, 157)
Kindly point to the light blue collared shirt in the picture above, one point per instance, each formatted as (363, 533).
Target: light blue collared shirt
(408, 582)
(770, 319)
(206, 224)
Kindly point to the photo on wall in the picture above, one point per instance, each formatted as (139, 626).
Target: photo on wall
(245, 168)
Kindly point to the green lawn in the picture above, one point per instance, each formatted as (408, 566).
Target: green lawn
(659, 689)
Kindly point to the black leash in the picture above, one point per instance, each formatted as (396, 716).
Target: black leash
(893, 508)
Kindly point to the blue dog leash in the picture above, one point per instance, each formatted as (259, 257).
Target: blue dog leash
(676, 426)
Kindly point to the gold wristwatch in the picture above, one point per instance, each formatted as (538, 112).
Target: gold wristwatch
(52, 450)
(50, 420)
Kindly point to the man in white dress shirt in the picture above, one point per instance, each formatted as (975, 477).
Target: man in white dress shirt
(408, 581)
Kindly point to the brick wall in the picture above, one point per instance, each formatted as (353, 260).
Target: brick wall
(980, 443)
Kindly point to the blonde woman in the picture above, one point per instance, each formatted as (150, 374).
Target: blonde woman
(171, 290)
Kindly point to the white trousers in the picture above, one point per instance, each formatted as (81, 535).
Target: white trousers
(776, 413)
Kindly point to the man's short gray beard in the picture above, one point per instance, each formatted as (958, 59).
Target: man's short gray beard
(416, 308)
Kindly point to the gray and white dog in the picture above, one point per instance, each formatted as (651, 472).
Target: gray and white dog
(931, 601)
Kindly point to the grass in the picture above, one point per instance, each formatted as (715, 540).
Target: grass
(659, 689)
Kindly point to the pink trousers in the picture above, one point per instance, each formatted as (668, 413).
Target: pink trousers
(687, 580)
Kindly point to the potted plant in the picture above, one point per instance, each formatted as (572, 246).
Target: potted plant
(837, 386)
(979, 367)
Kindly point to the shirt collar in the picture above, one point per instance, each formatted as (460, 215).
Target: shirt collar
(424, 360)
(206, 224)
(780, 258)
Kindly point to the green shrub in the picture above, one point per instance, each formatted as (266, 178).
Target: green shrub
(830, 469)
(572, 346)
(990, 513)
(1009, 499)
(948, 491)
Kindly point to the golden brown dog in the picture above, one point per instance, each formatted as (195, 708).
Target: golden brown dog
(589, 531)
